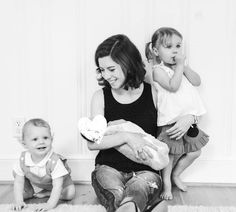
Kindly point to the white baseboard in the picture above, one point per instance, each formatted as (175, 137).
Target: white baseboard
(211, 171)
(202, 171)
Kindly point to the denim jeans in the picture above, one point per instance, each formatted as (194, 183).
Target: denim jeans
(112, 186)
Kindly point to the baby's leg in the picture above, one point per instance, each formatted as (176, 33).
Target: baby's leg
(42, 194)
(166, 173)
(68, 193)
(184, 162)
(28, 190)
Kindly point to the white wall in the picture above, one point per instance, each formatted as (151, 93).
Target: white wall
(47, 70)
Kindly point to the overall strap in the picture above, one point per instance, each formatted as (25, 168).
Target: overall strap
(24, 168)
(52, 161)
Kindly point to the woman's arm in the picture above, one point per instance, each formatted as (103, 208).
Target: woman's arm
(192, 76)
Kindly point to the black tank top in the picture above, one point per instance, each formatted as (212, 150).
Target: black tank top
(141, 112)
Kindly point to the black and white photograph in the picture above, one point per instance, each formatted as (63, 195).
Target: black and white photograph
(118, 105)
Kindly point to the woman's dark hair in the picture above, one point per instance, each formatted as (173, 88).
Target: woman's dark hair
(125, 53)
(160, 37)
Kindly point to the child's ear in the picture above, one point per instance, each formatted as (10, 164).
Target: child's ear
(155, 51)
(23, 144)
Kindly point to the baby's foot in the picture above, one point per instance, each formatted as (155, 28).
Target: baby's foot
(42, 194)
(179, 183)
(166, 193)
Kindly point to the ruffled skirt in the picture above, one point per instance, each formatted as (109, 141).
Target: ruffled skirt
(192, 141)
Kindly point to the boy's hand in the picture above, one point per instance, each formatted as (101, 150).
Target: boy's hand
(43, 207)
(19, 206)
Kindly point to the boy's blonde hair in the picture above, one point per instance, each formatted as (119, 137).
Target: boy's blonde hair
(37, 123)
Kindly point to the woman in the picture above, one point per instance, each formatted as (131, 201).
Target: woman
(120, 183)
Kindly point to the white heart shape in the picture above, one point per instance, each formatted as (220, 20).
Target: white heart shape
(93, 130)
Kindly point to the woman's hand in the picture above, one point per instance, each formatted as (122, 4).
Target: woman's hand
(181, 127)
(139, 144)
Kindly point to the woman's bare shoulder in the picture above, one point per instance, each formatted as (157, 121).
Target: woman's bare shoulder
(97, 103)
(98, 94)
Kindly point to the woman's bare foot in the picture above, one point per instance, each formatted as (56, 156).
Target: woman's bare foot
(166, 193)
(42, 194)
(179, 183)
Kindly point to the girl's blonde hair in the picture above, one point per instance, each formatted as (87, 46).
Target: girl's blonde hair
(160, 37)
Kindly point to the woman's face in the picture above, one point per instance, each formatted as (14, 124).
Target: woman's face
(111, 72)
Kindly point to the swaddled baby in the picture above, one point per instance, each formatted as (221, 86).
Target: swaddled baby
(95, 130)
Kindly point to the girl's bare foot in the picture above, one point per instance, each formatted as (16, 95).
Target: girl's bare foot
(166, 193)
(179, 183)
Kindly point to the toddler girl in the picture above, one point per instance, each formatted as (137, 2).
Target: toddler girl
(177, 97)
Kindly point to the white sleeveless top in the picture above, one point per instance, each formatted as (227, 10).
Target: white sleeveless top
(172, 105)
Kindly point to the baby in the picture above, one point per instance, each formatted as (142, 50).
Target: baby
(41, 167)
(95, 130)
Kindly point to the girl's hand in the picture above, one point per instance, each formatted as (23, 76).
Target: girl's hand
(18, 206)
(180, 59)
(43, 207)
(139, 146)
(181, 127)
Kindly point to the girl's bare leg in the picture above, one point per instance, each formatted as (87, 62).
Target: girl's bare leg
(166, 175)
(184, 162)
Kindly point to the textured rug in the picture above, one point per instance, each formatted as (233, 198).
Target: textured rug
(59, 208)
(180, 208)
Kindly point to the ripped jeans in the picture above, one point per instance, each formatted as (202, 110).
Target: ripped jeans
(112, 186)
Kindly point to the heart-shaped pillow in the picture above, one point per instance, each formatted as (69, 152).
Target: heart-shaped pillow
(93, 130)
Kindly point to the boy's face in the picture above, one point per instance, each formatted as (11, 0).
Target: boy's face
(38, 141)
